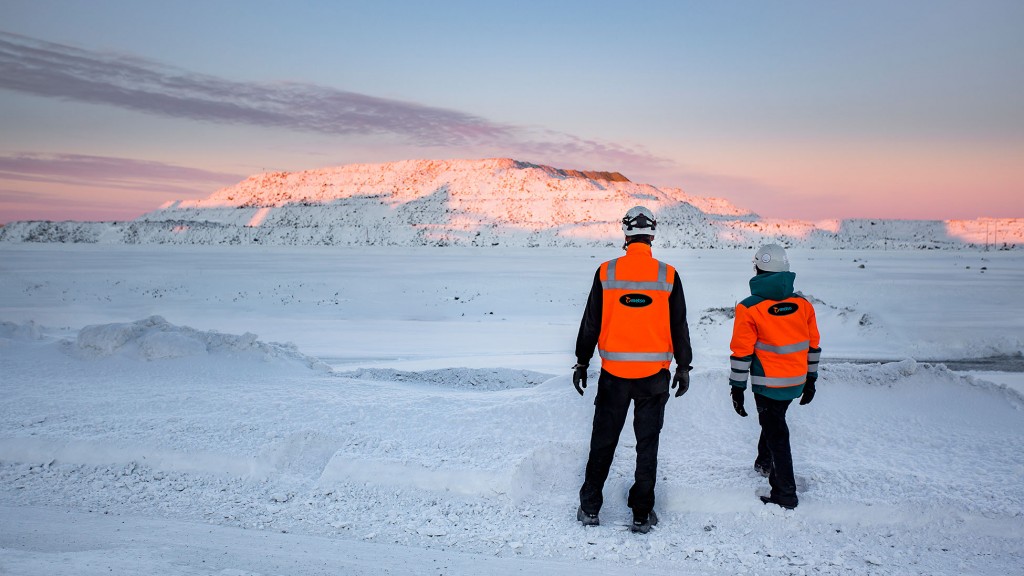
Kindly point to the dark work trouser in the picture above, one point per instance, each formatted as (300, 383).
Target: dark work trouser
(775, 434)
(764, 456)
(614, 394)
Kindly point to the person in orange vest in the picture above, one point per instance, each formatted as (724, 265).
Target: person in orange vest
(775, 341)
(636, 317)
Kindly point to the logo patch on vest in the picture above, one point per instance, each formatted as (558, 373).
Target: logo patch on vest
(636, 300)
(784, 309)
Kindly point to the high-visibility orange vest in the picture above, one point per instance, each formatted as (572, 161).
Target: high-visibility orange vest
(776, 342)
(636, 336)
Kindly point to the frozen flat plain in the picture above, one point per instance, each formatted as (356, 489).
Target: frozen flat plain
(247, 410)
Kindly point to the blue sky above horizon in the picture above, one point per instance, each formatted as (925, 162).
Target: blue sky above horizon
(794, 109)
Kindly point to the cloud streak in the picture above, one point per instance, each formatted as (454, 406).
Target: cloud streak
(58, 71)
(78, 170)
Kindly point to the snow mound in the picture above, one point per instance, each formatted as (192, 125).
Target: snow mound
(547, 469)
(157, 339)
(908, 371)
(27, 331)
(887, 374)
(489, 379)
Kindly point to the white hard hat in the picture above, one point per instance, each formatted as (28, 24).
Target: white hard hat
(771, 258)
(639, 220)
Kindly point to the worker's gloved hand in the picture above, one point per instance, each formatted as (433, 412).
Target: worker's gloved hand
(681, 381)
(808, 394)
(579, 377)
(737, 400)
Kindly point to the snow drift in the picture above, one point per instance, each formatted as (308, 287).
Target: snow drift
(24, 331)
(899, 465)
(154, 338)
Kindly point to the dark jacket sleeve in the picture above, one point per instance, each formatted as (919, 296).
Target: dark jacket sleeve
(590, 326)
(680, 329)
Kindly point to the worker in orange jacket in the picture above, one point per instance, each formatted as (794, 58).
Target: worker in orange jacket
(636, 317)
(774, 341)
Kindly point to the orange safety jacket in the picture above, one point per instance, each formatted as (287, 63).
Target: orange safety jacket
(775, 338)
(641, 314)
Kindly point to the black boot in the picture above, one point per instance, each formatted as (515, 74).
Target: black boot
(587, 519)
(786, 505)
(643, 525)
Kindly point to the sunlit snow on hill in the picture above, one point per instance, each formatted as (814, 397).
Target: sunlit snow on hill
(490, 202)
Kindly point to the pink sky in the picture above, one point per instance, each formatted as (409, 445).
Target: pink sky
(905, 110)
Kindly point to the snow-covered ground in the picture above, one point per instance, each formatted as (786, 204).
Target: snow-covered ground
(317, 410)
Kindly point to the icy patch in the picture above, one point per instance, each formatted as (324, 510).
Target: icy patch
(156, 339)
(491, 379)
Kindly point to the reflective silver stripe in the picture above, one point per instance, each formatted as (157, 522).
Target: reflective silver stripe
(740, 364)
(623, 285)
(636, 356)
(777, 382)
(662, 283)
(787, 349)
(738, 377)
(812, 360)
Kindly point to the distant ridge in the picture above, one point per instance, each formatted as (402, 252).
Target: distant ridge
(589, 174)
(487, 202)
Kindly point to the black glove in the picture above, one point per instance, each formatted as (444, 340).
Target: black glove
(737, 400)
(808, 394)
(682, 380)
(579, 377)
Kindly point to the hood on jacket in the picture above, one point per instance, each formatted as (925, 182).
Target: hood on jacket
(773, 285)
